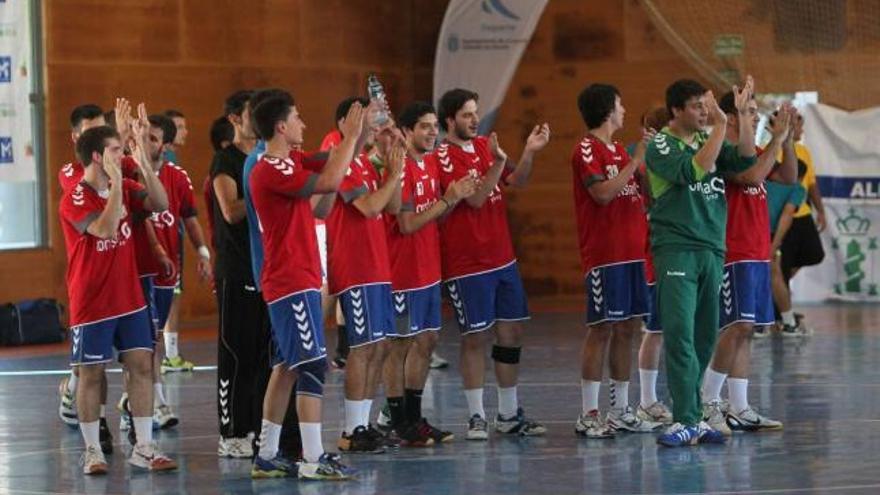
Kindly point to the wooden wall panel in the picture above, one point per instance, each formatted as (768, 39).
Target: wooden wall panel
(189, 54)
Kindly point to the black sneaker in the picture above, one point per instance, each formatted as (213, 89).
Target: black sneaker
(413, 435)
(339, 362)
(390, 439)
(106, 438)
(360, 441)
(792, 331)
(439, 436)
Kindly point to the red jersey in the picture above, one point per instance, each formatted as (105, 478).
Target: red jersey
(357, 250)
(102, 281)
(280, 191)
(181, 205)
(748, 223)
(415, 257)
(71, 175)
(473, 240)
(613, 233)
(333, 138)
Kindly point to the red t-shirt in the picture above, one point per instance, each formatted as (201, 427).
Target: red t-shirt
(71, 175)
(613, 233)
(102, 279)
(748, 223)
(473, 240)
(357, 250)
(280, 191)
(181, 205)
(415, 257)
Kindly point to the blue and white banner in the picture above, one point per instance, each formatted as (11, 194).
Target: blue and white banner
(17, 163)
(479, 48)
(846, 152)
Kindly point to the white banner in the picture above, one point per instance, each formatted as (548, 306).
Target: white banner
(846, 152)
(479, 48)
(17, 162)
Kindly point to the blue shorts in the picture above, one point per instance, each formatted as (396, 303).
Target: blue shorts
(93, 343)
(652, 323)
(148, 289)
(416, 311)
(484, 298)
(746, 295)
(616, 293)
(163, 297)
(368, 313)
(297, 328)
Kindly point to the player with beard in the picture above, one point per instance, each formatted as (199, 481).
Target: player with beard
(479, 266)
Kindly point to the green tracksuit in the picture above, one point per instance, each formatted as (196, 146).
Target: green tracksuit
(688, 220)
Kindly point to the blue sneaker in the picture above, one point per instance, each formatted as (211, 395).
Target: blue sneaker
(710, 435)
(277, 467)
(328, 468)
(679, 435)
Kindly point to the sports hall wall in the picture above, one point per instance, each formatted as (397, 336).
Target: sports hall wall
(189, 54)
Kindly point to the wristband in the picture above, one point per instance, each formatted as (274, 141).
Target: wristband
(448, 204)
(204, 252)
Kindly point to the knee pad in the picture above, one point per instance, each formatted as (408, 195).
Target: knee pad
(506, 355)
(311, 378)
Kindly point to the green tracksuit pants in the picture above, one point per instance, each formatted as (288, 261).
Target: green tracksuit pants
(688, 282)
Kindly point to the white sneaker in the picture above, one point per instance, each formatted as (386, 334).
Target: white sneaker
(656, 412)
(164, 416)
(478, 428)
(149, 457)
(751, 420)
(238, 448)
(591, 425)
(714, 415)
(437, 362)
(67, 406)
(93, 461)
(625, 420)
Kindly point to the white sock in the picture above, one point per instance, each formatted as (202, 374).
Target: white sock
(170, 344)
(648, 386)
(71, 383)
(270, 435)
(159, 395)
(143, 428)
(103, 411)
(474, 397)
(366, 406)
(788, 317)
(712, 383)
(618, 395)
(507, 402)
(90, 433)
(311, 441)
(589, 395)
(352, 415)
(738, 392)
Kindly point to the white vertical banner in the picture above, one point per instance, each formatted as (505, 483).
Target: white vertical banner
(17, 163)
(479, 48)
(846, 153)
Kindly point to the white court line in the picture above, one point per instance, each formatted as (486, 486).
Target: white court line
(67, 371)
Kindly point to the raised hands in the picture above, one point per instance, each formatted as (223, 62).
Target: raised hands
(538, 138)
(497, 152)
(742, 96)
(718, 117)
(355, 121)
(781, 126)
(460, 189)
(396, 159)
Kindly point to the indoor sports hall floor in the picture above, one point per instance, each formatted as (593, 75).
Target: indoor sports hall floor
(825, 388)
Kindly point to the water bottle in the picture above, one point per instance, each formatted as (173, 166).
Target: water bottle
(377, 94)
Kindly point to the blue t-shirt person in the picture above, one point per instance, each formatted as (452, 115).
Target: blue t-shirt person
(253, 224)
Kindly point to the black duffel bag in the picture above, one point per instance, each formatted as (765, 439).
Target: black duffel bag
(33, 321)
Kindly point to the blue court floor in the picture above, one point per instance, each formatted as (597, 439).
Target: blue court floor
(825, 388)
